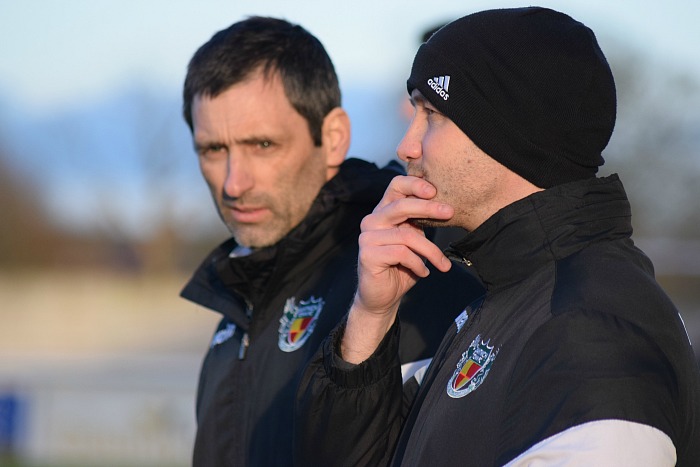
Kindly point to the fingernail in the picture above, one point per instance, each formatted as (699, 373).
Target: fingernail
(446, 262)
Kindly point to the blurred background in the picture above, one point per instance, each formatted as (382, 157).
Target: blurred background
(103, 215)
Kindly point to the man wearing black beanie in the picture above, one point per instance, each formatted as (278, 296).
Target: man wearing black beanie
(575, 355)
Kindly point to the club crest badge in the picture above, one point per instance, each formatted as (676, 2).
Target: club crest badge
(298, 322)
(472, 368)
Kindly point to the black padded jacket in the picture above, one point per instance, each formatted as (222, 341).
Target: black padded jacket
(573, 329)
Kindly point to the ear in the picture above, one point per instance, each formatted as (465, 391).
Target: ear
(336, 138)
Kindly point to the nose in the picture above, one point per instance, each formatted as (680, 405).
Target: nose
(410, 147)
(239, 177)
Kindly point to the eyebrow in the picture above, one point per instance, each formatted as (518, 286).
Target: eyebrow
(418, 98)
(199, 145)
(254, 139)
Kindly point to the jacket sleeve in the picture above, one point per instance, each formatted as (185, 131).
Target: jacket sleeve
(603, 442)
(349, 414)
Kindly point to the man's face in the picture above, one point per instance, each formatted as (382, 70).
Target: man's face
(465, 177)
(257, 156)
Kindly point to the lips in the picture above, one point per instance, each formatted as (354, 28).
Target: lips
(248, 215)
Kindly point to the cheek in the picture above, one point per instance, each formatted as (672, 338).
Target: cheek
(436, 146)
(301, 183)
(212, 176)
(301, 167)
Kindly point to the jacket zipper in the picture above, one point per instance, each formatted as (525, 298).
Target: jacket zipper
(245, 340)
(243, 349)
(455, 255)
(464, 261)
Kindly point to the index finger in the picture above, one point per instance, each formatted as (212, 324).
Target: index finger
(401, 211)
(407, 186)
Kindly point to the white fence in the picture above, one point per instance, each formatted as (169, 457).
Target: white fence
(127, 410)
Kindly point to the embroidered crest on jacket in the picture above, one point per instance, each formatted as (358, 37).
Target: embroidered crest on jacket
(298, 322)
(472, 368)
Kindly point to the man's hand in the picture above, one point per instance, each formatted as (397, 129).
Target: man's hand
(391, 261)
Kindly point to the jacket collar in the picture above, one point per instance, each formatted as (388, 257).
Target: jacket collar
(544, 227)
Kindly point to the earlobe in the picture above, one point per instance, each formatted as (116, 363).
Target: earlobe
(336, 136)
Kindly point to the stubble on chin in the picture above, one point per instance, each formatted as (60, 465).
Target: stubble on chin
(259, 236)
(424, 222)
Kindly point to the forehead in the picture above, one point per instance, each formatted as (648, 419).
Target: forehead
(258, 102)
(258, 89)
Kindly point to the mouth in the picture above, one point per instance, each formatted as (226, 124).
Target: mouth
(247, 214)
(418, 174)
(414, 171)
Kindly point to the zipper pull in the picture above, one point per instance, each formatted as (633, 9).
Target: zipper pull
(243, 349)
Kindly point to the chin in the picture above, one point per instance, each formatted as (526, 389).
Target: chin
(260, 239)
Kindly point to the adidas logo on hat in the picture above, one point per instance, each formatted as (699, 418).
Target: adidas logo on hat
(440, 84)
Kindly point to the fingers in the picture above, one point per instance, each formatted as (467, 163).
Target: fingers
(405, 186)
(406, 198)
(405, 246)
(400, 211)
(376, 257)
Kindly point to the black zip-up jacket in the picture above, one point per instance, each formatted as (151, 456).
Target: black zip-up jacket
(278, 304)
(573, 336)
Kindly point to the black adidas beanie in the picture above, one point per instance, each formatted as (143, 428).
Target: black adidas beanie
(529, 86)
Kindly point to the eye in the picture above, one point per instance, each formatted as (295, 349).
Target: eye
(258, 144)
(430, 114)
(433, 115)
(211, 150)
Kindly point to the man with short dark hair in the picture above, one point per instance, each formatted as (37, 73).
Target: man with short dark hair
(575, 355)
(263, 103)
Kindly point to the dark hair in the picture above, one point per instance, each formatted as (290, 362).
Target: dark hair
(273, 45)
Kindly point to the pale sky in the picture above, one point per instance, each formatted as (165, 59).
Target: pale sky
(57, 53)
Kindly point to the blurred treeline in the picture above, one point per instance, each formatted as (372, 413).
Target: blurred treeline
(654, 148)
(30, 239)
